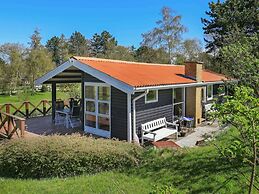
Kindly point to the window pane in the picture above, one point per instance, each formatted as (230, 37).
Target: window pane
(90, 92)
(90, 106)
(151, 96)
(104, 123)
(90, 120)
(103, 108)
(178, 110)
(178, 95)
(209, 91)
(104, 93)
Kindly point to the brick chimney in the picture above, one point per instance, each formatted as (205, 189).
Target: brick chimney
(194, 70)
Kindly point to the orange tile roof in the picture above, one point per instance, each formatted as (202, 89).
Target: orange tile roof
(138, 74)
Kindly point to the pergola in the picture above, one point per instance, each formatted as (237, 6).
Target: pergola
(61, 76)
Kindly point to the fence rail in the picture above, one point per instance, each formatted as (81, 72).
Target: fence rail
(10, 125)
(28, 109)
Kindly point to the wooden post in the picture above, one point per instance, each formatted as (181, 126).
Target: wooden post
(27, 111)
(7, 108)
(22, 127)
(9, 124)
(44, 107)
(83, 101)
(54, 97)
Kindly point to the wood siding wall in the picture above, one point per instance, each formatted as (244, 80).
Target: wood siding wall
(89, 78)
(118, 114)
(150, 111)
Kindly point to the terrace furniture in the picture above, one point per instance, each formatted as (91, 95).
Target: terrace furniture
(188, 121)
(62, 117)
(208, 108)
(74, 116)
(60, 105)
(158, 129)
(68, 118)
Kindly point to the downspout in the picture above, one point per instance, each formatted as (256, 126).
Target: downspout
(135, 136)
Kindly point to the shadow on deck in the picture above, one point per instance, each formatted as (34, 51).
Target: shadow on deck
(44, 126)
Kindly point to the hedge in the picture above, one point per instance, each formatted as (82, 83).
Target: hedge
(61, 156)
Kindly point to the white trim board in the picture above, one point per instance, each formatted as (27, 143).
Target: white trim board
(104, 77)
(52, 73)
(96, 130)
(151, 101)
(89, 70)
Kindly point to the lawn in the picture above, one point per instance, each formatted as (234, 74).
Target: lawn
(194, 170)
(36, 98)
(108, 182)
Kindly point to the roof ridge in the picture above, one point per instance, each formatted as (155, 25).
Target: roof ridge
(120, 61)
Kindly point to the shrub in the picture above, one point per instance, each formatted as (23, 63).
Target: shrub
(60, 156)
(44, 88)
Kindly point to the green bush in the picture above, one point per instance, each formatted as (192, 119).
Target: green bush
(61, 156)
(44, 88)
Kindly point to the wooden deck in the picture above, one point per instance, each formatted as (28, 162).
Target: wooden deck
(44, 126)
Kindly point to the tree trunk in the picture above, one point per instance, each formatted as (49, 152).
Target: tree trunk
(253, 167)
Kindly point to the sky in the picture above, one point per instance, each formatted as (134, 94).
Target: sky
(126, 20)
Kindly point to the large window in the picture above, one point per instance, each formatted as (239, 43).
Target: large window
(178, 103)
(209, 92)
(97, 109)
(152, 96)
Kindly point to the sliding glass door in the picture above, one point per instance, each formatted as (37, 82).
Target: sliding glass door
(97, 109)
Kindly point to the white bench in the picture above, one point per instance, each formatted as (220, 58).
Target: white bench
(158, 129)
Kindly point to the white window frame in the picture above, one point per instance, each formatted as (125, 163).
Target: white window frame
(177, 103)
(96, 130)
(209, 85)
(151, 101)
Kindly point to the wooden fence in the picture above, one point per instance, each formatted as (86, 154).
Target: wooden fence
(12, 116)
(27, 109)
(11, 125)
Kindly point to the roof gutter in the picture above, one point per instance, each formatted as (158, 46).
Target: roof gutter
(141, 89)
(135, 136)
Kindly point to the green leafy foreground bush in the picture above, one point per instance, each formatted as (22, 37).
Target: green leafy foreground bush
(60, 156)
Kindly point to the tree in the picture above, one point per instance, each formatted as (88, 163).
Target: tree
(35, 42)
(12, 66)
(191, 49)
(57, 46)
(119, 53)
(241, 61)
(38, 62)
(242, 112)
(78, 44)
(150, 55)
(228, 20)
(167, 34)
(102, 44)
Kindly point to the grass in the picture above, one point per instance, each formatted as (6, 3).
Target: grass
(194, 170)
(36, 98)
(108, 182)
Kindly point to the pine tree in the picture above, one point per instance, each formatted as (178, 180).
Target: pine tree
(78, 44)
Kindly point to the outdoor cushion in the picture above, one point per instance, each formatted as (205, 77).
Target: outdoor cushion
(159, 134)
